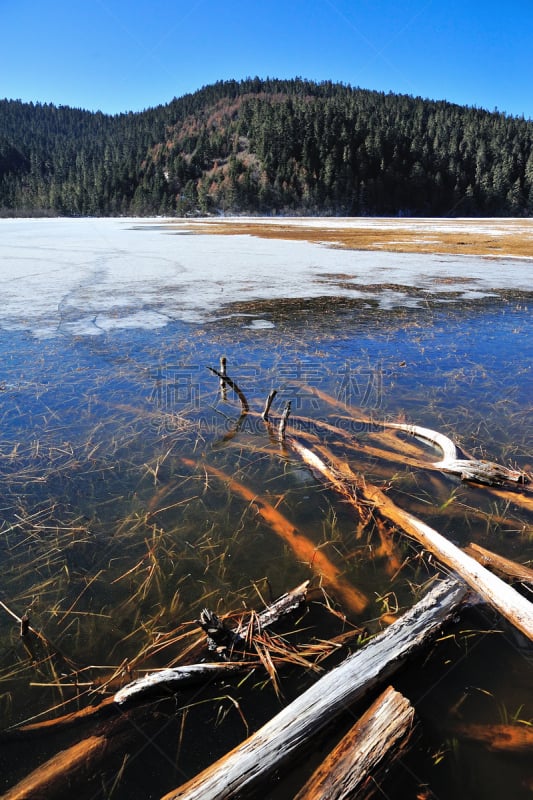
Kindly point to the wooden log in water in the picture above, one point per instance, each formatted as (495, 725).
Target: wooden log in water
(72, 767)
(268, 404)
(222, 381)
(42, 783)
(506, 600)
(502, 597)
(509, 569)
(173, 679)
(365, 752)
(283, 421)
(499, 738)
(167, 681)
(249, 764)
(303, 548)
(284, 605)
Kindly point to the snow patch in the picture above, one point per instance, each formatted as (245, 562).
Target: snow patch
(94, 276)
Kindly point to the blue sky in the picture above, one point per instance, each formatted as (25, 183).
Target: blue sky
(121, 55)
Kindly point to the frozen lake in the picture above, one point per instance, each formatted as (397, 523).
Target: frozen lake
(89, 276)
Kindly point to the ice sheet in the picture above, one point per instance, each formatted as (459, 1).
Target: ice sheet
(93, 276)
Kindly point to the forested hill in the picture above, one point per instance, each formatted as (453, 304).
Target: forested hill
(267, 146)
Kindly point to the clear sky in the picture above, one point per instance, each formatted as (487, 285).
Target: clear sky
(122, 55)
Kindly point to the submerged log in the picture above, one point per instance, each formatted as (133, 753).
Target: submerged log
(499, 738)
(303, 548)
(268, 403)
(503, 566)
(367, 750)
(61, 769)
(283, 421)
(284, 605)
(222, 639)
(506, 600)
(286, 734)
(70, 768)
(174, 678)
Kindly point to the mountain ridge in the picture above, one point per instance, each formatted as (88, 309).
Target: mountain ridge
(267, 147)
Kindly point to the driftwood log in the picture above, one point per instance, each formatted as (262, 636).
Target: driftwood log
(506, 600)
(286, 734)
(173, 679)
(511, 570)
(453, 460)
(365, 752)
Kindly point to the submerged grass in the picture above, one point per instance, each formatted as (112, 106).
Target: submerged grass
(133, 495)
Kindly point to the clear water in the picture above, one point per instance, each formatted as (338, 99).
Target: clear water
(113, 533)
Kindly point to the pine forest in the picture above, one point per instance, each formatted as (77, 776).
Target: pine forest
(267, 147)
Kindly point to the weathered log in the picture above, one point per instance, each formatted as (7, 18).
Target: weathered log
(503, 566)
(223, 372)
(303, 548)
(71, 767)
(174, 678)
(453, 460)
(499, 738)
(367, 750)
(287, 733)
(283, 421)
(517, 498)
(506, 600)
(221, 638)
(284, 605)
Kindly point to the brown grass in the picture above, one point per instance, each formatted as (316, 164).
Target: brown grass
(494, 237)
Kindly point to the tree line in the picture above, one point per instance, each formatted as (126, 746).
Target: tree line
(267, 146)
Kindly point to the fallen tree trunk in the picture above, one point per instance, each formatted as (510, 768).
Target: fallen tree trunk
(506, 600)
(77, 760)
(503, 566)
(174, 678)
(499, 738)
(301, 545)
(71, 768)
(288, 732)
(366, 751)
(180, 676)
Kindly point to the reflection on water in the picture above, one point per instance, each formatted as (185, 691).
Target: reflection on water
(114, 531)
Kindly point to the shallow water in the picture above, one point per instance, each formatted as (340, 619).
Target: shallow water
(114, 531)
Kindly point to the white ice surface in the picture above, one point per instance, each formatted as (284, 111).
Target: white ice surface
(90, 276)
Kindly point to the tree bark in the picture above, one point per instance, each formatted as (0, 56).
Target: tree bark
(368, 748)
(286, 734)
